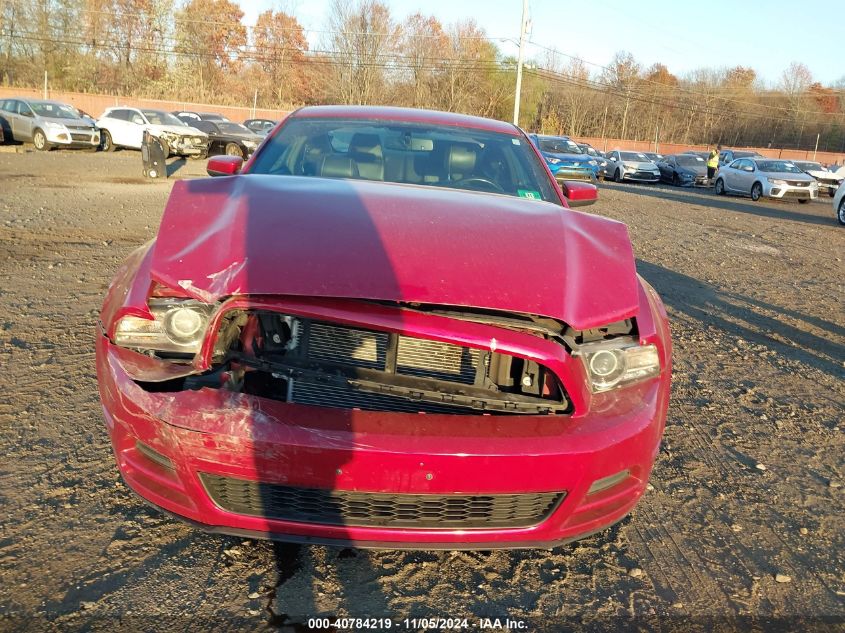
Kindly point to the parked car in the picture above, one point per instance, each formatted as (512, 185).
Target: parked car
(225, 137)
(654, 156)
(261, 126)
(766, 178)
(828, 181)
(190, 117)
(46, 124)
(727, 156)
(564, 159)
(124, 127)
(839, 204)
(596, 155)
(265, 362)
(636, 166)
(683, 170)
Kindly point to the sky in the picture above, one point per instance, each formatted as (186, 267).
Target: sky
(766, 35)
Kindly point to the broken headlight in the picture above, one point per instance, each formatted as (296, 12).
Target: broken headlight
(611, 364)
(179, 326)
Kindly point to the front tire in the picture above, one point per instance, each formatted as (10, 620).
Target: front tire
(675, 180)
(617, 175)
(719, 188)
(840, 212)
(233, 149)
(756, 191)
(108, 143)
(39, 139)
(831, 192)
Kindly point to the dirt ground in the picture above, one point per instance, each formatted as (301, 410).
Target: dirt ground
(748, 485)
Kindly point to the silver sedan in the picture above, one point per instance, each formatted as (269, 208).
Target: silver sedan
(766, 178)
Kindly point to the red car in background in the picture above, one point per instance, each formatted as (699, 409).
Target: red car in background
(386, 329)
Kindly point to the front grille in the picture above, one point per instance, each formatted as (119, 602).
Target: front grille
(80, 137)
(802, 195)
(797, 183)
(442, 361)
(365, 509)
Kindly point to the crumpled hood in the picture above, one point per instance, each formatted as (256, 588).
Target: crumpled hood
(317, 237)
(825, 175)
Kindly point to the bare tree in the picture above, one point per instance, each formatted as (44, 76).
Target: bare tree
(363, 40)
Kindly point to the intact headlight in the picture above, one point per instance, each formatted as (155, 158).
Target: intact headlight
(592, 162)
(553, 161)
(57, 127)
(612, 364)
(251, 143)
(776, 181)
(198, 139)
(179, 326)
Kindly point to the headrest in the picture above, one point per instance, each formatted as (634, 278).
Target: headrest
(461, 160)
(363, 143)
(335, 166)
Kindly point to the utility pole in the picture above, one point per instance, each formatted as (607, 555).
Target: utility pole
(522, 30)
(45, 84)
(816, 149)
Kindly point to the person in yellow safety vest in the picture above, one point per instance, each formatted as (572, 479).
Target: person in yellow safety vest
(712, 163)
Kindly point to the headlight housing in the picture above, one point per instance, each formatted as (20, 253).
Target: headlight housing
(553, 161)
(57, 127)
(179, 326)
(592, 162)
(611, 364)
(776, 181)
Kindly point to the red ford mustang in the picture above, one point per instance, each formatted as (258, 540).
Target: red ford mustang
(386, 329)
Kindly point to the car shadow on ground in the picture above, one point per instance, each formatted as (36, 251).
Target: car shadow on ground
(774, 209)
(747, 318)
(175, 165)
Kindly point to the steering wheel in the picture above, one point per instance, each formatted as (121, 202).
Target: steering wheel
(487, 185)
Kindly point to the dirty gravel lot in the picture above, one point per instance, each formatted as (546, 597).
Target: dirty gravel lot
(748, 485)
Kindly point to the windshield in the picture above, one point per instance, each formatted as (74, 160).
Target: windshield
(634, 156)
(233, 128)
(810, 166)
(689, 161)
(559, 146)
(778, 166)
(409, 153)
(54, 110)
(160, 117)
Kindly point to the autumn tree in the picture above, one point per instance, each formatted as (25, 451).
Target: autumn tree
(423, 45)
(280, 48)
(209, 37)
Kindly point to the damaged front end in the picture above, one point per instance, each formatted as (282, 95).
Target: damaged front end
(194, 143)
(353, 355)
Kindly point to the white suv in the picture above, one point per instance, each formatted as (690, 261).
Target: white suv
(125, 127)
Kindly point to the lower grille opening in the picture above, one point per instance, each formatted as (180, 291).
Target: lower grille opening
(364, 509)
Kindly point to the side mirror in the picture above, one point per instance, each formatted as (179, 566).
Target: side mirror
(28, 113)
(224, 165)
(579, 194)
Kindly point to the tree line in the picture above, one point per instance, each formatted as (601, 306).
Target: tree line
(200, 50)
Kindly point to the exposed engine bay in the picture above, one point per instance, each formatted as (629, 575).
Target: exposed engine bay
(325, 364)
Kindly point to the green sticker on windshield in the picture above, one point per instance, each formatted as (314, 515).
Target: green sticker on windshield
(528, 193)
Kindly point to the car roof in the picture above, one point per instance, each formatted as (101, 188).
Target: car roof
(405, 115)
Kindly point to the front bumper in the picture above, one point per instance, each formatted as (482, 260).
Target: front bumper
(641, 176)
(578, 174)
(73, 138)
(790, 191)
(216, 432)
